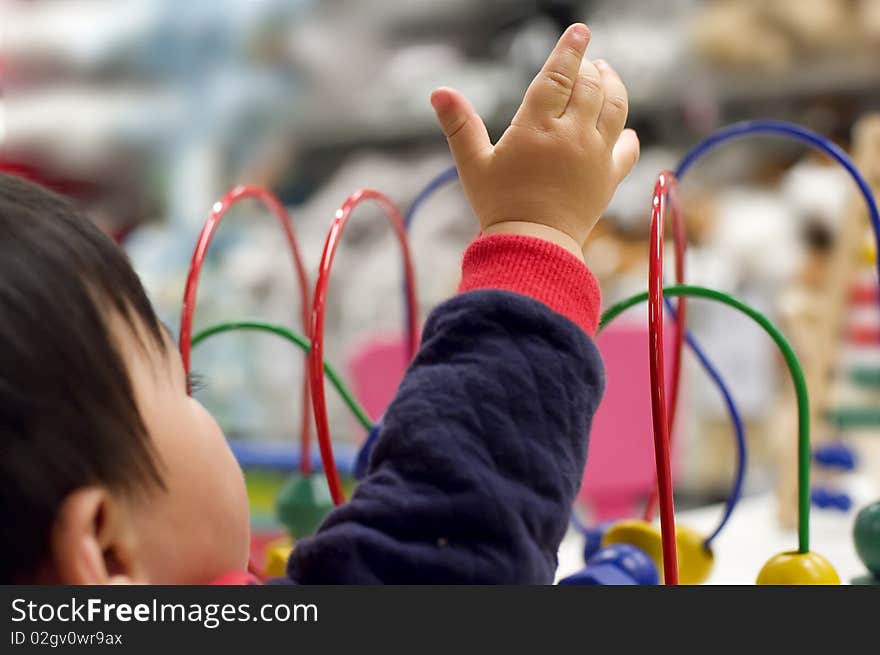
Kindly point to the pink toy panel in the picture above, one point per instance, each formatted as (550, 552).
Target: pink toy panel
(376, 368)
(620, 466)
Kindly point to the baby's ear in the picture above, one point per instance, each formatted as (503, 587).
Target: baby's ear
(93, 541)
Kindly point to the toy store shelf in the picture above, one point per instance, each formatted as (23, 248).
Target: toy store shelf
(753, 536)
(855, 75)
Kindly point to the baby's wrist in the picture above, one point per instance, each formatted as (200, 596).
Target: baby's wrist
(534, 267)
(538, 231)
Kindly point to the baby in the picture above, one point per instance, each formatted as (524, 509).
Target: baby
(111, 473)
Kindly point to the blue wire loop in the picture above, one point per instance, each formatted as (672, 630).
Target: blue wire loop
(796, 133)
(448, 176)
(738, 429)
(729, 133)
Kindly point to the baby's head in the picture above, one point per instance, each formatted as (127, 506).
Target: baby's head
(109, 471)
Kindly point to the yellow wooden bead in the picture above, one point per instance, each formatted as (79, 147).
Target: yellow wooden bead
(640, 534)
(868, 252)
(277, 554)
(793, 568)
(694, 560)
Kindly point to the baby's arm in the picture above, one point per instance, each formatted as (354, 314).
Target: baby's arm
(482, 450)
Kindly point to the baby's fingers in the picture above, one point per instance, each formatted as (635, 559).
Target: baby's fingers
(549, 93)
(587, 96)
(615, 107)
(625, 154)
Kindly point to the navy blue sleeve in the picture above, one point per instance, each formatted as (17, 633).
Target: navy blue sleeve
(479, 458)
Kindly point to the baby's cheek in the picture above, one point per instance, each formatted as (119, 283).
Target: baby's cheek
(229, 511)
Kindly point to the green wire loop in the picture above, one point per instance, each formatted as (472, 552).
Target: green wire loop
(298, 340)
(794, 367)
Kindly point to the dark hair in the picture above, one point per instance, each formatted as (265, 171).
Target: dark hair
(68, 415)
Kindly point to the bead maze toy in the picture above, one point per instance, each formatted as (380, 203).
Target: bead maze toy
(866, 535)
(629, 551)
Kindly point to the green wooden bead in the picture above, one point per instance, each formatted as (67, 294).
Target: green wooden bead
(302, 503)
(866, 535)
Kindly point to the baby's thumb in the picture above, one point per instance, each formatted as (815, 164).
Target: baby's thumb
(463, 127)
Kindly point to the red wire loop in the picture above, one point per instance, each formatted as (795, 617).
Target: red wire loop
(218, 211)
(319, 301)
(670, 185)
(665, 188)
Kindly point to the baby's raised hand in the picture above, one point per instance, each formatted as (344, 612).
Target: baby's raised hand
(554, 170)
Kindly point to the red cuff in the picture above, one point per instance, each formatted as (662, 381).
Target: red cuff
(535, 268)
